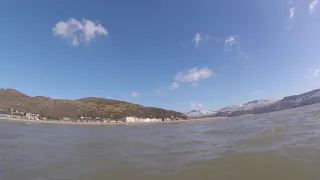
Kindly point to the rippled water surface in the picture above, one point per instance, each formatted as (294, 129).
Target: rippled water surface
(280, 145)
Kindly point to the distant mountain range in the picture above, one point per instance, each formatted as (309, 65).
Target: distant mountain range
(100, 107)
(261, 106)
(90, 107)
(199, 113)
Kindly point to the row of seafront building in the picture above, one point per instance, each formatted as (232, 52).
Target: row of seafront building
(20, 115)
(124, 120)
(145, 120)
(34, 116)
(29, 116)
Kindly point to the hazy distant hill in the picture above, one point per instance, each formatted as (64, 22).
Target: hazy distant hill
(91, 106)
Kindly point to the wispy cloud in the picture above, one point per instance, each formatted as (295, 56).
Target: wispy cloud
(193, 75)
(312, 6)
(135, 94)
(174, 86)
(292, 12)
(197, 38)
(231, 41)
(313, 76)
(200, 38)
(314, 72)
(79, 32)
(195, 105)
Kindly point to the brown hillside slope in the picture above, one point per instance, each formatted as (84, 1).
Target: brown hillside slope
(94, 107)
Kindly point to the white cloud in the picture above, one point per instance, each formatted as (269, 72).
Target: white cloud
(292, 12)
(290, 2)
(312, 6)
(174, 86)
(193, 75)
(197, 38)
(195, 105)
(231, 40)
(78, 32)
(135, 94)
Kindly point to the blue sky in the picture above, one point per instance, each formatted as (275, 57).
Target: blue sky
(177, 55)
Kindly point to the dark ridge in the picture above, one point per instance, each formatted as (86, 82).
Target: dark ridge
(90, 107)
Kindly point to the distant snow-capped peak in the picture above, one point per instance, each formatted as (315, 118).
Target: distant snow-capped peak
(250, 105)
(199, 113)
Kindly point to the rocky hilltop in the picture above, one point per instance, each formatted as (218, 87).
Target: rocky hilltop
(89, 107)
(265, 105)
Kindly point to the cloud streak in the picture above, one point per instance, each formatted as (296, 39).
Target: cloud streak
(197, 38)
(200, 38)
(292, 12)
(312, 6)
(79, 32)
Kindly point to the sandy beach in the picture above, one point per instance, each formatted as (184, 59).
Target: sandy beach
(102, 124)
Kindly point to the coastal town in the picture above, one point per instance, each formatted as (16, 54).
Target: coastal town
(15, 114)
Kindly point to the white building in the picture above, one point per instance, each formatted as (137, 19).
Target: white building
(32, 116)
(141, 120)
(66, 119)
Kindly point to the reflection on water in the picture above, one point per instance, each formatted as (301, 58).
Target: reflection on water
(280, 145)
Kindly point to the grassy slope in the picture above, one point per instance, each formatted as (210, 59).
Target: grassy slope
(94, 107)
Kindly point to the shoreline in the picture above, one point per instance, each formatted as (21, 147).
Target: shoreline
(103, 124)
